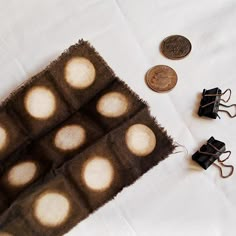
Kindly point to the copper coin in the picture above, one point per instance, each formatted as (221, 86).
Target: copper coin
(161, 78)
(175, 47)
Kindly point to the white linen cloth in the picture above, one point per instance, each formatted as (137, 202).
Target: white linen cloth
(176, 197)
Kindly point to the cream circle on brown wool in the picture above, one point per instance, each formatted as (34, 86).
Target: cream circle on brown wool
(112, 104)
(52, 208)
(140, 140)
(98, 173)
(5, 234)
(70, 137)
(22, 173)
(40, 102)
(79, 73)
(3, 138)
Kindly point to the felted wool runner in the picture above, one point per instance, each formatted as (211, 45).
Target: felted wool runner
(71, 138)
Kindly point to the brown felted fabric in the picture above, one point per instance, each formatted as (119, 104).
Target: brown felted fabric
(98, 139)
(31, 156)
(134, 104)
(3, 202)
(37, 126)
(58, 156)
(59, 185)
(15, 133)
(15, 224)
(143, 164)
(104, 74)
(76, 169)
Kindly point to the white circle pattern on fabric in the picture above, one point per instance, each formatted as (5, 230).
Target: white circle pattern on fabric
(79, 73)
(140, 139)
(22, 173)
(40, 102)
(70, 137)
(52, 209)
(3, 138)
(113, 104)
(98, 173)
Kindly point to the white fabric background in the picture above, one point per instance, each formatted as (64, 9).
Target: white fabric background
(177, 197)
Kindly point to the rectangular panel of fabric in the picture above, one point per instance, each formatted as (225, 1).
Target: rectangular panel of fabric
(86, 136)
(39, 104)
(76, 89)
(142, 142)
(95, 176)
(22, 169)
(70, 138)
(114, 105)
(15, 225)
(98, 173)
(12, 134)
(54, 208)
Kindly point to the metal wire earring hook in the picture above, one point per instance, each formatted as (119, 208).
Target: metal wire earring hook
(221, 170)
(227, 106)
(223, 160)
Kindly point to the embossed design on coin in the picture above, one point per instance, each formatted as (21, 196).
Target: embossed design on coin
(176, 47)
(161, 78)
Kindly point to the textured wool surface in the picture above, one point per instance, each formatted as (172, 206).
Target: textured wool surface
(71, 138)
